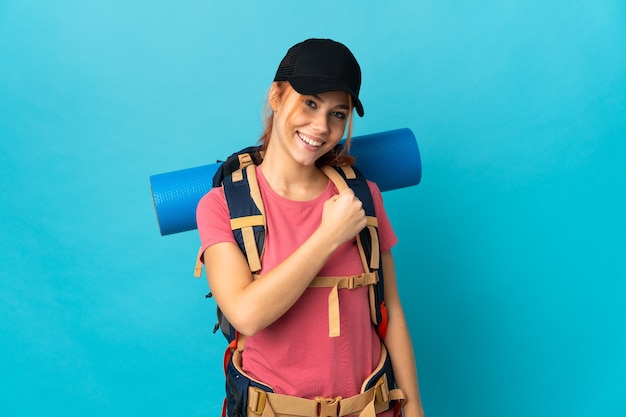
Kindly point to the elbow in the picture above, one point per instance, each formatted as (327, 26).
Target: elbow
(245, 313)
(246, 323)
(247, 330)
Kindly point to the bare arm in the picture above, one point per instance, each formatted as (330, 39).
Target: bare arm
(251, 305)
(398, 342)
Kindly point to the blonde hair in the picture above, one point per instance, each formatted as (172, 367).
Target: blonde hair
(336, 156)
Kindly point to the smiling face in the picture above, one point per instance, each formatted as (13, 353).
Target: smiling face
(305, 127)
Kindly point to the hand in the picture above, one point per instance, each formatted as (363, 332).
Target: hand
(343, 217)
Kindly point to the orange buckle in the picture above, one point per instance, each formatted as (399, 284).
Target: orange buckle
(356, 281)
(257, 402)
(328, 407)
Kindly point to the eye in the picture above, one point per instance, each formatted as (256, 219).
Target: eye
(310, 103)
(338, 114)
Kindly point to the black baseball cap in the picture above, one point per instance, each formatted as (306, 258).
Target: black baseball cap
(319, 65)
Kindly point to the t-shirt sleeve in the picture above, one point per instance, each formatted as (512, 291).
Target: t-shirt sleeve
(213, 219)
(386, 234)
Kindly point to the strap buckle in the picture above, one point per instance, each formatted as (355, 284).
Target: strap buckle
(328, 407)
(381, 391)
(356, 281)
(257, 401)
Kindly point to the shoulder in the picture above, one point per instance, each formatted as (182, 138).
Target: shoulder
(212, 206)
(215, 197)
(213, 218)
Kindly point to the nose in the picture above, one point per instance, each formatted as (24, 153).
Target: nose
(320, 123)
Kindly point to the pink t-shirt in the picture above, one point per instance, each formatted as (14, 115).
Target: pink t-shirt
(295, 355)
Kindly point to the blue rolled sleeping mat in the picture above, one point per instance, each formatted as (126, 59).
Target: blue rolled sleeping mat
(391, 159)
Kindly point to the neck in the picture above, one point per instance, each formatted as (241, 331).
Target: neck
(292, 180)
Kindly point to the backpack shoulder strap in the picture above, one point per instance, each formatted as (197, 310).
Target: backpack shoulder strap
(367, 239)
(238, 178)
(238, 160)
(349, 177)
(247, 214)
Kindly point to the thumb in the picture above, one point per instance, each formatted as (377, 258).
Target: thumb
(335, 197)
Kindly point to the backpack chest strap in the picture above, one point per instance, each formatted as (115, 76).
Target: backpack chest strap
(351, 282)
(335, 284)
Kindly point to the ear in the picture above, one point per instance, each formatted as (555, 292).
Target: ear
(274, 97)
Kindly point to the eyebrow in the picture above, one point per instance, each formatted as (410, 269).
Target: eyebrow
(341, 106)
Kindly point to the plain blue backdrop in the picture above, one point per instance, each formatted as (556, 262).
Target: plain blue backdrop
(511, 258)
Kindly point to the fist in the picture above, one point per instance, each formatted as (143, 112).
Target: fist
(343, 216)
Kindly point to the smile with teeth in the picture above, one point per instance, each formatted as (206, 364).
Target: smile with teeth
(309, 141)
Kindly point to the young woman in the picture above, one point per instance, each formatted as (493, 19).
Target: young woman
(311, 229)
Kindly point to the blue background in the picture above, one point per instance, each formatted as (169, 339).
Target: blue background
(511, 257)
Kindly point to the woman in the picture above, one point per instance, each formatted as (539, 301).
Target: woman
(311, 229)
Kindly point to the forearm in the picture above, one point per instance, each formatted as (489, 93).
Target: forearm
(400, 349)
(276, 291)
(251, 305)
(398, 342)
